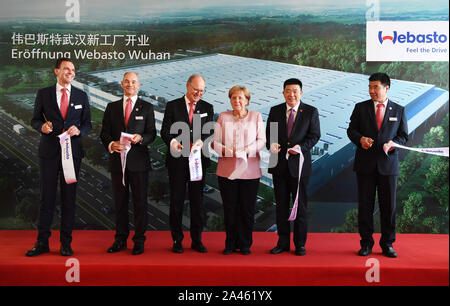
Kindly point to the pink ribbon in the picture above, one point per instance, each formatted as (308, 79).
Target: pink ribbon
(293, 214)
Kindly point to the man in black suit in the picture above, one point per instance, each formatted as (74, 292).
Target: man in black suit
(59, 108)
(293, 124)
(133, 116)
(188, 122)
(374, 125)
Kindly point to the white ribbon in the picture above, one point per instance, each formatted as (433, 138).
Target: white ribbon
(241, 159)
(195, 164)
(67, 158)
(293, 214)
(124, 141)
(433, 151)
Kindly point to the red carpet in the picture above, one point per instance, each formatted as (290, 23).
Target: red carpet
(331, 259)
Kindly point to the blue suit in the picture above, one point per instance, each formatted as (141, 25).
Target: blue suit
(50, 166)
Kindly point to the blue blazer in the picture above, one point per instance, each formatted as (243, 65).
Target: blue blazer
(394, 127)
(78, 114)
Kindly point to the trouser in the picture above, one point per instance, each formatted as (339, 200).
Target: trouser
(138, 182)
(178, 180)
(285, 188)
(386, 186)
(50, 170)
(239, 199)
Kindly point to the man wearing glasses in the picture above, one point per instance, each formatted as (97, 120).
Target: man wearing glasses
(183, 129)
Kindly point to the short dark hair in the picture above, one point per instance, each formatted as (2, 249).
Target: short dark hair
(60, 60)
(292, 81)
(382, 77)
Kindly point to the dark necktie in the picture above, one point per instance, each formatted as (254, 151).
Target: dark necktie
(290, 123)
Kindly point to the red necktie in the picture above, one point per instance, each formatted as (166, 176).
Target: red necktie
(191, 111)
(380, 114)
(127, 111)
(64, 103)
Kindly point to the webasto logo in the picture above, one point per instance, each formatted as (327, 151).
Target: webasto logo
(413, 38)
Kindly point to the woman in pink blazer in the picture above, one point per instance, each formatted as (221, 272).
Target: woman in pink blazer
(239, 136)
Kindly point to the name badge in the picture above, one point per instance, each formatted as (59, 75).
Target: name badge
(203, 115)
(78, 106)
(139, 118)
(392, 118)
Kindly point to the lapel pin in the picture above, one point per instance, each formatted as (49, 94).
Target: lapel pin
(71, 104)
(300, 110)
(137, 109)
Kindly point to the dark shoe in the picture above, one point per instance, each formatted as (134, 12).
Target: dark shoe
(246, 251)
(66, 250)
(300, 251)
(227, 251)
(38, 249)
(389, 252)
(177, 248)
(138, 249)
(365, 251)
(199, 247)
(278, 250)
(117, 246)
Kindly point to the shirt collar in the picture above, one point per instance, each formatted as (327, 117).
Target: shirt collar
(288, 108)
(384, 103)
(133, 99)
(59, 87)
(187, 101)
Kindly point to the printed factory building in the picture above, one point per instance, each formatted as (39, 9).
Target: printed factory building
(333, 93)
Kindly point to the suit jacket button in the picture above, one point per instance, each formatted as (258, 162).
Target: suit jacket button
(289, 143)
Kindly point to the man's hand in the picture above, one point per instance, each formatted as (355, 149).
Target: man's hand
(366, 142)
(175, 146)
(136, 138)
(198, 143)
(117, 147)
(73, 131)
(47, 127)
(275, 148)
(388, 146)
(293, 152)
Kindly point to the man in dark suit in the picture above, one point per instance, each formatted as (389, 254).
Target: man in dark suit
(374, 125)
(59, 108)
(188, 122)
(133, 116)
(293, 124)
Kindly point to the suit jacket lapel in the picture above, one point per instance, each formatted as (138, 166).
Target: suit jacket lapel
(283, 124)
(297, 119)
(54, 103)
(72, 100)
(183, 110)
(386, 114)
(371, 114)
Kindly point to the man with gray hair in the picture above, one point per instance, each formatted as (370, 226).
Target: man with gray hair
(135, 117)
(182, 129)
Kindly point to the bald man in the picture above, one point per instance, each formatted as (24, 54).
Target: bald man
(193, 115)
(136, 117)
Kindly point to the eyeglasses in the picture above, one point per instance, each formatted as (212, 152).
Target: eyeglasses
(198, 91)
